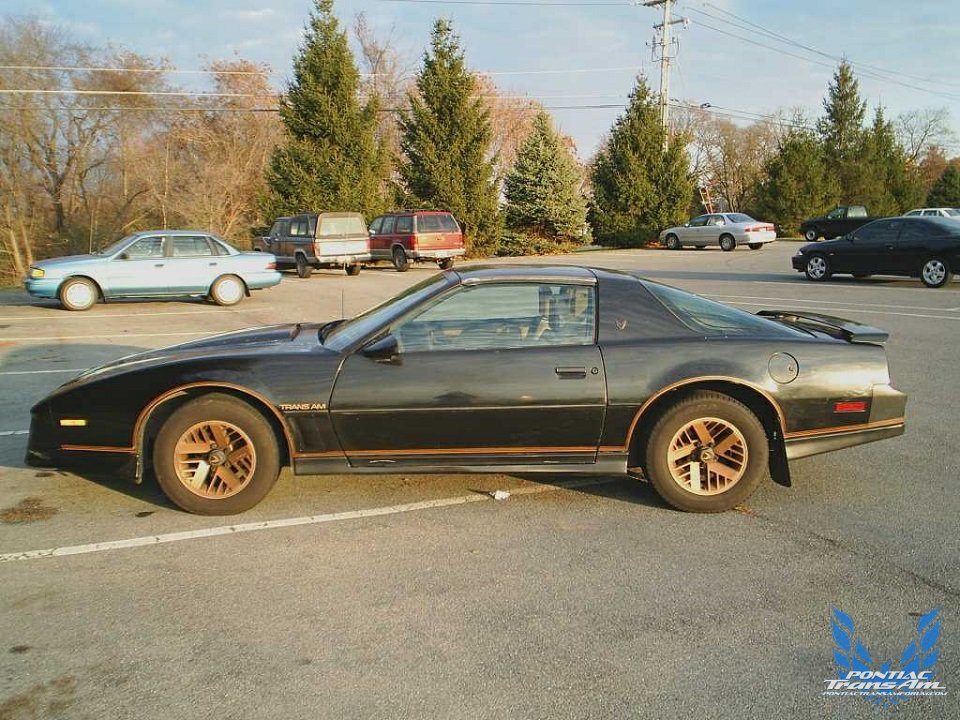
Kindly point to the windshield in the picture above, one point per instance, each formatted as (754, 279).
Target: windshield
(346, 333)
(740, 218)
(111, 249)
(713, 318)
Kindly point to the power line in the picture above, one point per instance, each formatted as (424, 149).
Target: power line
(511, 2)
(137, 93)
(154, 71)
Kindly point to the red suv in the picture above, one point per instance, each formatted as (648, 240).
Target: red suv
(409, 236)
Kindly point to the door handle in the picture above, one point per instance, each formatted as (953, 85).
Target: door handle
(212, 264)
(571, 373)
(159, 265)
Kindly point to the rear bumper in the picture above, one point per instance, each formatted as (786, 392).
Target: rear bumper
(436, 253)
(767, 236)
(341, 260)
(261, 280)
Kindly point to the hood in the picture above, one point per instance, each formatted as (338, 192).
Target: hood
(295, 336)
(72, 260)
(825, 245)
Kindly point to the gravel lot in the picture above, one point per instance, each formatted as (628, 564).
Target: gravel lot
(594, 601)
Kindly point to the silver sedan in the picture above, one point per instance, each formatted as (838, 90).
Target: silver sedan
(724, 229)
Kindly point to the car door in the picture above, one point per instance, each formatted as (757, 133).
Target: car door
(713, 229)
(692, 232)
(907, 253)
(867, 250)
(488, 374)
(139, 269)
(192, 263)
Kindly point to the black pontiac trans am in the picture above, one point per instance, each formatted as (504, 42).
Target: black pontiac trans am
(487, 369)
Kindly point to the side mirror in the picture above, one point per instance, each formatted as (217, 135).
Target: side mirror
(384, 350)
(371, 231)
(123, 256)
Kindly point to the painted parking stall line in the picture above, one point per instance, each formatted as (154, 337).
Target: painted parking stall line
(150, 540)
(116, 336)
(13, 433)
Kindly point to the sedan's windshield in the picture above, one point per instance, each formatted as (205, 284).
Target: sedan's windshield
(346, 333)
(111, 249)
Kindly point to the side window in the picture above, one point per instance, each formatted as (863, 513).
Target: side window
(388, 223)
(145, 248)
(375, 226)
(835, 214)
(284, 228)
(404, 224)
(298, 227)
(190, 246)
(913, 231)
(877, 232)
(275, 229)
(699, 221)
(508, 315)
(717, 220)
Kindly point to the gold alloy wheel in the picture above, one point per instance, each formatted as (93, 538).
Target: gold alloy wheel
(215, 459)
(707, 456)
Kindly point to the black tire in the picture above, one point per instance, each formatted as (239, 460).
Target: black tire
(400, 260)
(811, 234)
(672, 242)
(729, 478)
(727, 243)
(353, 270)
(754, 246)
(227, 290)
(935, 272)
(304, 269)
(446, 263)
(818, 268)
(79, 294)
(254, 432)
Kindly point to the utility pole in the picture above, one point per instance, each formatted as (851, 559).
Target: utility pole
(663, 41)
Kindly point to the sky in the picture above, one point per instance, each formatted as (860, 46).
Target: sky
(905, 54)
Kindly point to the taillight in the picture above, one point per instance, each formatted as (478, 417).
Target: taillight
(271, 266)
(413, 242)
(850, 407)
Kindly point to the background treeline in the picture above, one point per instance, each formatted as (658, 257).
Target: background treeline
(116, 145)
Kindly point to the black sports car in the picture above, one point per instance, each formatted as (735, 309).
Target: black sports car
(488, 369)
(924, 247)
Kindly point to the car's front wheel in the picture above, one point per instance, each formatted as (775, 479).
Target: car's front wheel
(79, 294)
(935, 273)
(227, 290)
(707, 453)
(727, 243)
(817, 268)
(216, 455)
(672, 242)
(304, 269)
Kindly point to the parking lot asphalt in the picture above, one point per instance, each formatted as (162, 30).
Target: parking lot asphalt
(421, 596)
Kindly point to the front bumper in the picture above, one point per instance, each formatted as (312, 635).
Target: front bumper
(799, 262)
(43, 287)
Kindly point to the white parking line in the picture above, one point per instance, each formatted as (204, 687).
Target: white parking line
(118, 336)
(108, 316)
(288, 522)
(41, 372)
(7, 433)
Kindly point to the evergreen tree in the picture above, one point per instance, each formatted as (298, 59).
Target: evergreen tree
(888, 185)
(639, 187)
(446, 143)
(841, 132)
(799, 183)
(946, 190)
(542, 191)
(331, 160)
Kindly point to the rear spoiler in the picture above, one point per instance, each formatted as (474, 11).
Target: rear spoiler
(830, 325)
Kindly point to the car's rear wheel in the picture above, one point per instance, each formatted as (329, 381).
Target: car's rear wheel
(353, 270)
(446, 263)
(811, 235)
(754, 246)
(707, 453)
(79, 294)
(216, 455)
(672, 242)
(400, 261)
(727, 243)
(935, 273)
(227, 290)
(817, 268)
(304, 269)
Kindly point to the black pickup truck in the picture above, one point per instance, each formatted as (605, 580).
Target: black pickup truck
(839, 221)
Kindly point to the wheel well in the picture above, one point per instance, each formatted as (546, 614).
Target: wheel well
(160, 413)
(82, 277)
(759, 405)
(398, 245)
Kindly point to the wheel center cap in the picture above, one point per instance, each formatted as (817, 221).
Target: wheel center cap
(705, 454)
(216, 457)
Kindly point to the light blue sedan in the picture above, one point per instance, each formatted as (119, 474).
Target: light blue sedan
(154, 263)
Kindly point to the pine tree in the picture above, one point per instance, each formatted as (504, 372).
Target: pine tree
(841, 132)
(542, 192)
(888, 185)
(639, 187)
(331, 160)
(798, 184)
(946, 190)
(446, 143)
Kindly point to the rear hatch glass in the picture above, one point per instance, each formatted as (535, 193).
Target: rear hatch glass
(438, 231)
(338, 227)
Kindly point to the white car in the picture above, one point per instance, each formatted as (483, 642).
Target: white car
(724, 229)
(951, 213)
